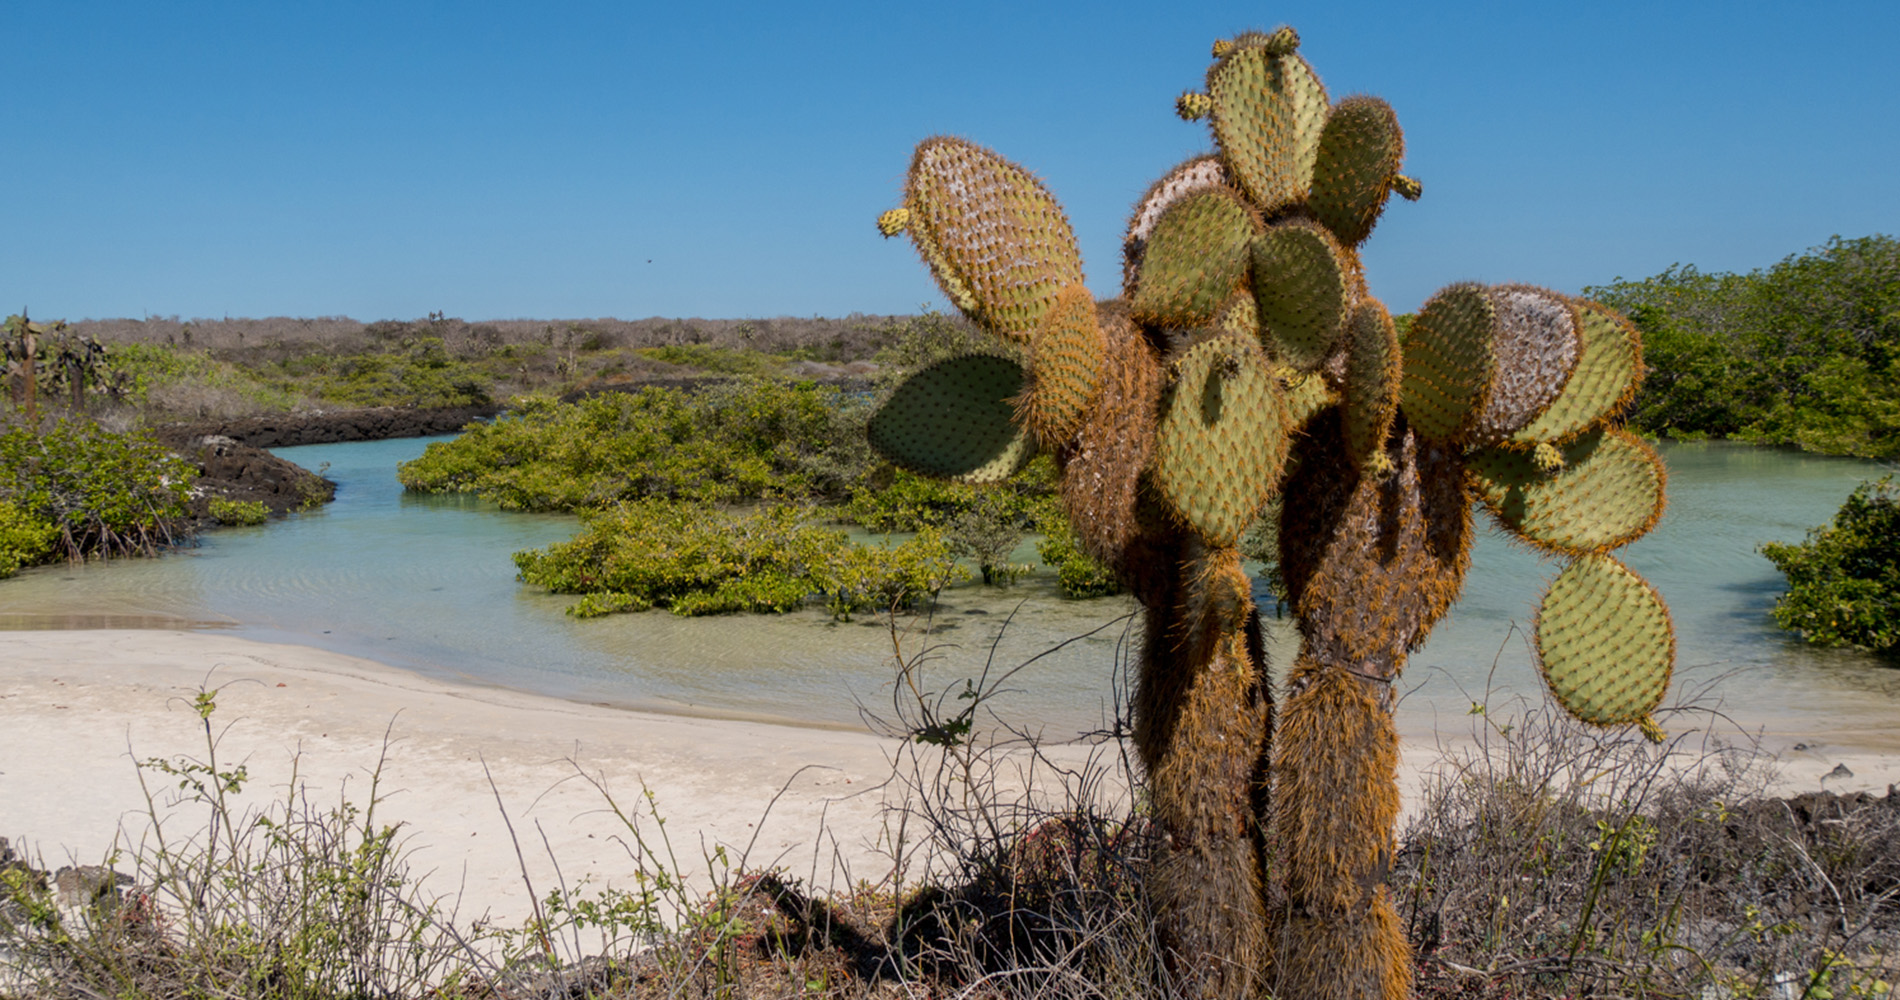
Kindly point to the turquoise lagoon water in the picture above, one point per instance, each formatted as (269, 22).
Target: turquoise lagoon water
(425, 583)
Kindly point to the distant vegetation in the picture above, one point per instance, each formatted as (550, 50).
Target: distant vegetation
(1804, 353)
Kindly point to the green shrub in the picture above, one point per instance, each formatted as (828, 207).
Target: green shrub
(241, 513)
(25, 540)
(751, 440)
(1844, 581)
(1077, 574)
(696, 560)
(104, 493)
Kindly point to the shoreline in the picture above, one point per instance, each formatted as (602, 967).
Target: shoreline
(82, 706)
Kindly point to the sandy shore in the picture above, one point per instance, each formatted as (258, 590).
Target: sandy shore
(81, 706)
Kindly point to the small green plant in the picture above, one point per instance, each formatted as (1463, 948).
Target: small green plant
(1844, 581)
(238, 513)
(25, 540)
(697, 560)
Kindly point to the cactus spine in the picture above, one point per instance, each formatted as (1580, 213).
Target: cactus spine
(1246, 358)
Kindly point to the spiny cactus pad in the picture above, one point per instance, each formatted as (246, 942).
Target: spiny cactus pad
(954, 420)
(992, 234)
(1223, 438)
(1448, 366)
(1269, 110)
(1066, 375)
(1200, 172)
(1605, 643)
(1302, 290)
(1372, 384)
(1195, 259)
(1535, 348)
(1604, 380)
(1608, 492)
(1359, 153)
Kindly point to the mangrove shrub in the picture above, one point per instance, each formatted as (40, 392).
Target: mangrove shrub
(1844, 581)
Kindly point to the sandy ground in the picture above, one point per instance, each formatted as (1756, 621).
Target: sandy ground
(459, 764)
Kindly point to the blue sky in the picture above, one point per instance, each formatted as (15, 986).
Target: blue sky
(565, 160)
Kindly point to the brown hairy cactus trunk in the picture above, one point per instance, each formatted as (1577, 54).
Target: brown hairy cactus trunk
(1370, 563)
(1203, 716)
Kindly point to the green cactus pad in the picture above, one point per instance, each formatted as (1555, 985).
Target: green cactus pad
(1223, 438)
(1307, 395)
(1605, 643)
(1607, 372)
(1269, 110)
(1302, 291)
(991, 233)
(1066, 376)
(1535, 348)
(1448, 364)
(1200, 172)
(1372, 381)
(1195, 260)
(953, 420)
(1359, 154)
(1239, 317)
(1608, 492)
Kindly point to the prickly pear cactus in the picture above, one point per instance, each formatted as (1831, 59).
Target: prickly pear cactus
(1246, 359)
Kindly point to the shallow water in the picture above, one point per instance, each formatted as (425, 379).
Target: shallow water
(425, 583)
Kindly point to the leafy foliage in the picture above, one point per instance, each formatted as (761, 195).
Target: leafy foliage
(103, 492)
(24, 539)
(1844, 581)
(698, 560)
(238, 512)
(1806, 352)
(749, 441)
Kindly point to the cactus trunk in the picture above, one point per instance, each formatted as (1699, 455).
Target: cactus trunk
(1203, 718)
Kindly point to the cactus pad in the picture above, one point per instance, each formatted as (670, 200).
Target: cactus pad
(1535, 348)
(1200, 172)
(1608, 492)
(1448, 366)
(1066, 377)
(954, 420)
(1302, 289)
(1604, 380)
(1222, 439)
(1605, 643)
(993, 235)
(1359, 154)
(1269, 110)
(1195, 259)
(1372, 384)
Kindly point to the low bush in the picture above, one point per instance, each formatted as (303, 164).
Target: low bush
(752, 440)
(697, 560)
(25, 540)
(1844, 581)
(103, 493)
(238, 513)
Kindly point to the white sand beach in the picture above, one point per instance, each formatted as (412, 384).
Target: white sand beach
(81, 706)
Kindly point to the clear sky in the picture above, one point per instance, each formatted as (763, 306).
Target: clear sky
(566, 160)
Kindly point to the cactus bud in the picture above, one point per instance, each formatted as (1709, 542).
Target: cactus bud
(1407, 187)
(1193, 107)
(1547, 457)
(893, 222)
(1283, 42)
(1222, 46)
